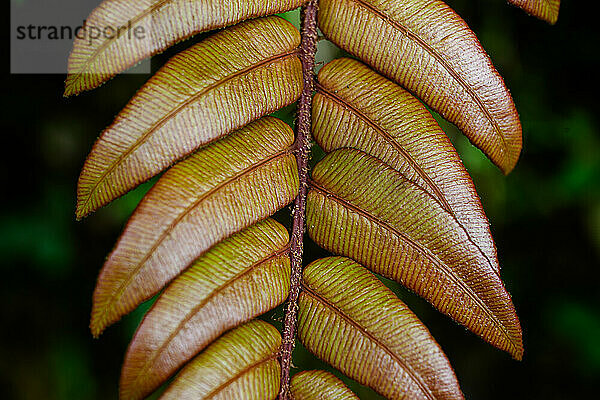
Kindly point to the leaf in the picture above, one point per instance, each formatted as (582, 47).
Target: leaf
(242, 364)
(426, 47)
(546, 10)
(355, 107)
(235, 281)
(216, 192)
(348, 318)
(141, 28)
(319, 385)
(361, 208)
(203, 93)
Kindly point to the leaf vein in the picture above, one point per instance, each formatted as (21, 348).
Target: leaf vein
(424, 251)
(413, 374)
(438, 193)
(423, 44)
(279, 253)
(117, 294)
(169, 115)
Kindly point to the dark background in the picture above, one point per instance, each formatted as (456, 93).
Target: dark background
(545, 218)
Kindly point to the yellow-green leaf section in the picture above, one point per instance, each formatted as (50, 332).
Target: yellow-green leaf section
(242, 364)
(426, 47)
(360, 207)
(546, 10)
(120, 33)
(358, 108)
(348, 318)
(214, 193)
(319, 385)
(205, 92)
(235, 281)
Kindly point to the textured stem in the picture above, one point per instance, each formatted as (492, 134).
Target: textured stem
(302, 146)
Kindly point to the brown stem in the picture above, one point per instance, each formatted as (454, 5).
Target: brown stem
(308, 49)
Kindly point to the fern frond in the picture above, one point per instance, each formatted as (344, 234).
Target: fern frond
(391, 196)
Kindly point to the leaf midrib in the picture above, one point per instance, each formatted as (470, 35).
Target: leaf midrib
(166, 233)
(278, 253)
(416, 377)
(441, 265)
(243, 372)
(405, 31)
(411, 161)
(159, 123)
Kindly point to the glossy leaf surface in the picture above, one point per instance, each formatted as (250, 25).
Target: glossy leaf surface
(242, 364)
(203, 93)
(348, 318)
(319, 385)
(546, 10)
(427, 48)
(358, 108)
(214, 193)
(361, 208)
(235, 281)
(138, 29)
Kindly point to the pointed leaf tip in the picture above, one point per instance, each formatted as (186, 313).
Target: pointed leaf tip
(546, 10)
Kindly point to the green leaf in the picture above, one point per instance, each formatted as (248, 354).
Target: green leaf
(242, 364)
(358, 108)
(203, 93)
(147, 27)
(214, 193)
(426, 47)
(348, 318)
(360, 207)
(546, 10)
(204, 302)
(319, 385)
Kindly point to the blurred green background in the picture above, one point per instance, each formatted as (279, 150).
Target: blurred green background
(545, 218)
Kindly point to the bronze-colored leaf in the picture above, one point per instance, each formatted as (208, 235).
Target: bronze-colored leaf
(546, 10)
(242, 364)
(214, 193)
(360, 207)
(426, 47)
(319, 385)
(235, 281)
(141, 28)
(203, 93)
(358, 108)
(348, 318)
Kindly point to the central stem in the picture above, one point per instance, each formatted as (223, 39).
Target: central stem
(308, 48)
